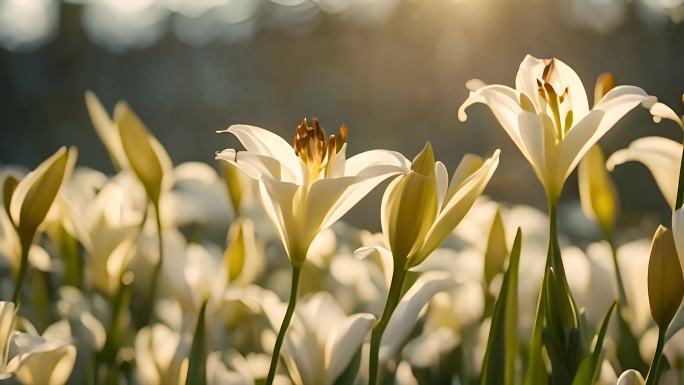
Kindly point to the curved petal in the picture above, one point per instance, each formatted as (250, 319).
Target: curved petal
(533, 136)
(407, 311)
(505, 105)
(662, 157)
(358, 163)
(579, 139)
(469, 164)
(264, 142)
(442, 181)
(616, 103)
(661, 111)
(456, 208)
(529, 71)
(385, 257)
(344, 341)
(578, 95)
(277, 198)
(254, 165)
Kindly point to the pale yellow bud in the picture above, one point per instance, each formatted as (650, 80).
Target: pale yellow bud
(598, 195)
(665, 280)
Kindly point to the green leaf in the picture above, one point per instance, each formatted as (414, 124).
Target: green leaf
(197, 365)
(536, 368)
(589, 367)
(502, 345)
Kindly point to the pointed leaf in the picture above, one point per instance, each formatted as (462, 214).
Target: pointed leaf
(502, 345)
(197, 364)
(589, 368)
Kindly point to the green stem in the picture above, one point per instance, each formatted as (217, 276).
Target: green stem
(157, 268)
(393, 298)
(296, 270)
(654, 370)
(680, 186)
(23, 267)
(116, 329)
(618, 275)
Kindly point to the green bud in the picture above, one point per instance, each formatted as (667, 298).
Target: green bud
(597, 192)
(139, 146)
(497, 251)
(665, 280)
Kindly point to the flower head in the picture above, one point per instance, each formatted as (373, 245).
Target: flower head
(307, 186)
(548, 118)
(421, 208)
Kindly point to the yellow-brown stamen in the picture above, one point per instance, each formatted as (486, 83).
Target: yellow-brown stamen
(312, 147)
(604, 83)
(562, 117)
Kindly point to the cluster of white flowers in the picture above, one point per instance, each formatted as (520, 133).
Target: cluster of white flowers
(169, 274)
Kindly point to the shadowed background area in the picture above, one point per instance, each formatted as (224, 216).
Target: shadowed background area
(393, 71)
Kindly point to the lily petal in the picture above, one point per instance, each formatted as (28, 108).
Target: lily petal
(456, 208)
(344, 341)
(407, 311)
(278, 198)
(579, 140)
(661, 111)
(264, 142)
(254, 165)
(662, 157)
(505, 105)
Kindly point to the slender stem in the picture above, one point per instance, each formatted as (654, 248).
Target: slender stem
(680, 185)
(654, 370)
(618, 275)
(393, 297)
(157, 268)
(296, 270)
(23, 267)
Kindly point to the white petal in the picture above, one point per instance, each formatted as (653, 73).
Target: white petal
(264, 142)
(385, 257)
(406, 313)
(457, 207)
(630, 377)
(662, 111)
(252, 164)
(529, 72)
(579, 139)
(344, 341)
(616, 103)
(532, 134)
(442, 181)
(358, 164)
(661, 155)
(278, 198)
(505, 105)
(578, 95)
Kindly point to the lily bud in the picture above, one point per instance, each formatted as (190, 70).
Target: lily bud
(409, 207)
(631, 377)
(35, 193)
(597, 192)
(145, 154)
(665, 280)
(242, 259)
(497, 250)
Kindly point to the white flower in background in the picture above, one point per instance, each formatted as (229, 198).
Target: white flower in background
(34, 359)
(662, 157)
(631, 377)
(239, 370)
(322, 340)
(308, 187)
(198, 197)
(161, 355)
(548, 118)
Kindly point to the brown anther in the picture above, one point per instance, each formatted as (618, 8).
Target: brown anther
(604, 83)
(313, 148)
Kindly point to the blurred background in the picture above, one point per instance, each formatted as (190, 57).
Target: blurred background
(394, 71)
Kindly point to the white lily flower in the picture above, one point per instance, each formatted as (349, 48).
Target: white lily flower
(662, 157)
(548, 118)
(7, 321)
(322, 340)
(161, 355)
(306, 188)
(43, 360)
